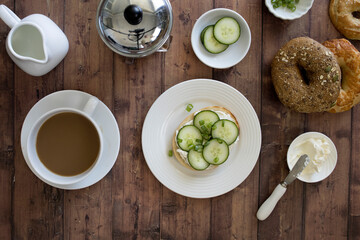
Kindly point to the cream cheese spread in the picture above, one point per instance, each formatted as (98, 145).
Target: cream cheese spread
(318, 150)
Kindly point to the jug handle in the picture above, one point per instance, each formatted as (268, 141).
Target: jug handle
(8, 16)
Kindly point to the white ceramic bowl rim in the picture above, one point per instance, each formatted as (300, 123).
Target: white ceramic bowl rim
(235, 52)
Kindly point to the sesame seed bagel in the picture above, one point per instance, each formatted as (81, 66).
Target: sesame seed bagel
(175, 147)
(348, 58)
(306, 76)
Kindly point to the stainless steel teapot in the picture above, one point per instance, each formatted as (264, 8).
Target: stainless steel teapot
(135, 28)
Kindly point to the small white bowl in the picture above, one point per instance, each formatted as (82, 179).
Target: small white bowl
(234, 53)
(286, 14)
(326, 167)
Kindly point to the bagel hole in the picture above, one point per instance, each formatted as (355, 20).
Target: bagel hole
(304, 74)
(356, 14)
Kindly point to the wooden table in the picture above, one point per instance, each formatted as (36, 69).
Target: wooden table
(129, 203)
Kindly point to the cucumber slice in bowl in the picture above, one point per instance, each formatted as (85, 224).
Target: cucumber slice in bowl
(216, 151)
(197, 161)
(188, 136)
(211, 44)
(204, 120)
(203, 33)
(226, 130)
(227, 30)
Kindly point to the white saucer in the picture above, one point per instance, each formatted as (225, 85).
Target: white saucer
(103, 117)
(165, 115)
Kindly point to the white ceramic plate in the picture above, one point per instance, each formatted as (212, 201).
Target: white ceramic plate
(168, 111)
(326, 168)
(234, 53)
(103, 117)
(286, 14)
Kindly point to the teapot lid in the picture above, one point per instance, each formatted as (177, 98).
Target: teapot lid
(134, 28)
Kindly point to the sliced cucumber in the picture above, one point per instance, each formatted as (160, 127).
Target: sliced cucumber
(210, 43)
(227, 30)
(225, 130)
(188, 136)
(197, 160)
(203, 33)
(204, 120)
(216, 151)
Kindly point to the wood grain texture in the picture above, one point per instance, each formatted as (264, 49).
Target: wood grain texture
(185, 217)
(37, 207)
(239, 220)
(6, 135)
(88, 67)
(130, 203)
(327, 215)
(279, 127)
(136, 211)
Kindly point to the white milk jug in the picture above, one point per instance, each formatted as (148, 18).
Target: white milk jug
(35, 43)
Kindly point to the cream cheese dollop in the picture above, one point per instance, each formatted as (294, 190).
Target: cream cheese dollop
(318, 150)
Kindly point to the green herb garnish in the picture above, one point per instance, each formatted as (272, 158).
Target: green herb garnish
(216, 160)
(170, 153)
(290, 4)
(223, 123)
(201, 122)
(180, 140)
(328, 69)
(189, 107)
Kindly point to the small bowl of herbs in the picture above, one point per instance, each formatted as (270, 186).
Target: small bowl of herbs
(289, 9)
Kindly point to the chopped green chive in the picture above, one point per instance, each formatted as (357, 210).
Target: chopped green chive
(189, 107)
(223, 123)
(201, 122)
(219, 141)
(180, 140)
(336, 77)
(198, 141)
(213, 127)
(198, 147)
(216, 160)
(204, 129)
(290, 4)
(170, 153)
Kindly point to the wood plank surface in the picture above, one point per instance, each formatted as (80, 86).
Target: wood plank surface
(6, 134)
(129, 202)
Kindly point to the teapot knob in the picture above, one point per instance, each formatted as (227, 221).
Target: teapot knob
(133, 14)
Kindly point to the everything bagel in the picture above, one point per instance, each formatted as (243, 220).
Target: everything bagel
(344, 15)
(306, 76)
(348, 58)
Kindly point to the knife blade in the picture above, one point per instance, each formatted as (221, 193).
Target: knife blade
(268, 206)
(300, 165)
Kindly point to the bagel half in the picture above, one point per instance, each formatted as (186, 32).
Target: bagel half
(188, 119)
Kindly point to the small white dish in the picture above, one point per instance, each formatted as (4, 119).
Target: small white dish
(165, 115)
(326, 167)
(234, 53)
(102, 116)
(286, 14)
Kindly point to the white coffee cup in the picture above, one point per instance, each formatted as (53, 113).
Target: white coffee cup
(39, 168)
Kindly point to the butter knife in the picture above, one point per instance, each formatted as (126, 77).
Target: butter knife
(268, 206)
